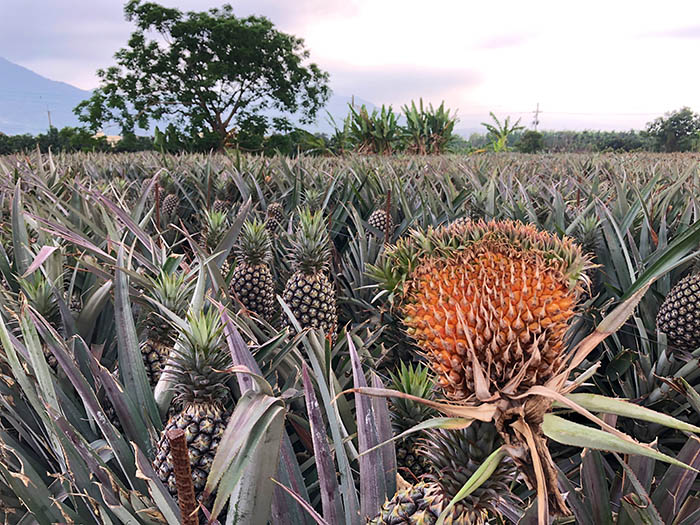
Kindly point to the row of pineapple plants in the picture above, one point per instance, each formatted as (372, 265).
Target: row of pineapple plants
(336, 237)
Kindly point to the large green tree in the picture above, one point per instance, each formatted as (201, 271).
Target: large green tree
(207, 72)
(676, 131)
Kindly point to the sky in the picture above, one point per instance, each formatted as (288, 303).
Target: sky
(612, 64)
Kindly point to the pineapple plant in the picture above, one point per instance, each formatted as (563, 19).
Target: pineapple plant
(173, 291)
(679, 315)
(412, 464)
(40, 296)
(308, 292)
(274, 216)
(489, 304)
(313, 198)
(214, 226)
(251, 282)
(222, 193)
(453, 457)
(588, 236)
(199, 371)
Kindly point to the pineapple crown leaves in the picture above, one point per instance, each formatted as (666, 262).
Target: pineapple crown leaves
(215, 224)
(199, 363)
(415, 381)
(173, 290)
(255, 246)
(445, 242)
(311, 249)
(40, 296)
(313, 197)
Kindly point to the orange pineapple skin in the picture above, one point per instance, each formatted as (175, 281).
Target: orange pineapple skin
(492, 303)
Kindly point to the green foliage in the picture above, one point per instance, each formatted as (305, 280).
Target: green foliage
(377, 132)
(427, 130)
(76, 437)
(66, 139)
(206, 71)
(676, 131)
(530, 142)
(498, 133)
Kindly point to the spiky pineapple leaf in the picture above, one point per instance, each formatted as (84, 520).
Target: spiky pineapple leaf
(131, 365)
(330, 503)
(289, 472)
(620, 407)
(574, 434)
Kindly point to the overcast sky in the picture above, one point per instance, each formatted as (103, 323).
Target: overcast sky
(597, 64)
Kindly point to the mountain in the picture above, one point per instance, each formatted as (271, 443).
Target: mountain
(26, 98)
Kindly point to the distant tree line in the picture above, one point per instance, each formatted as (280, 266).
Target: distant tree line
(427, 130)
(69, 139)
(675, 131)
(531, 141)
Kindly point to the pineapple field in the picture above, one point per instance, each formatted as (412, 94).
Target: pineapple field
(437, 339)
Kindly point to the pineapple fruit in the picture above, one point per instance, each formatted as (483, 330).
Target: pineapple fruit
(170, 206)
(381, 220)
(407, 414)
(308, 292)
(198, 370)
(453, 456)
(274, 216)
(489, 304)
(679, 315)
(173, 291)
(251, 282)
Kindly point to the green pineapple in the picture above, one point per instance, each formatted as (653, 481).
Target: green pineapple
(221, 206)
(454, 456)
(251, 282)
(198, 370)
(173, 291)
(170, 206)
(308, 292)
(274, 216)
(679, 315)
(381, 220)
(407, 414)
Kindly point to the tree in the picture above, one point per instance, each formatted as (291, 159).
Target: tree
(676, 131)
(206, 72)
(530, 142)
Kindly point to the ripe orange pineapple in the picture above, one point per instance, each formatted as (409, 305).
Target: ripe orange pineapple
(489, 304)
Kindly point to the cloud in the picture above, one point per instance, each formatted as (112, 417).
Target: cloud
(71, 39)
(399, 85)
(503, 41)
(690, 32)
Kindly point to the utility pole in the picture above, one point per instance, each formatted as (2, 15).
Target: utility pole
(48, 112)
(536, 120)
